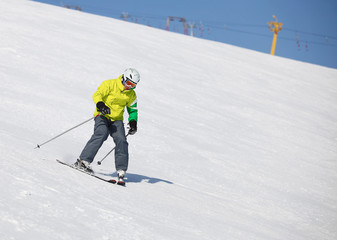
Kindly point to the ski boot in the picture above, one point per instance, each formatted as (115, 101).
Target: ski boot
(121, 175)
(84, 166)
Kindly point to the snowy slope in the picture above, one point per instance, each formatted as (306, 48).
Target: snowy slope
(232, 143)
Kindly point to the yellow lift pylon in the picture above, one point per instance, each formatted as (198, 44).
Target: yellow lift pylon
(274, 27)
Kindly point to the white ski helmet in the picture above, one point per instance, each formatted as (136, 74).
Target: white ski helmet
(132, 75)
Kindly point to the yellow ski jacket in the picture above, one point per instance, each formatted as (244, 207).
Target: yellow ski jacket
(114, 96)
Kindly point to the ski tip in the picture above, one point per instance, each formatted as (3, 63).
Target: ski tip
(112, 181)
(121, 183)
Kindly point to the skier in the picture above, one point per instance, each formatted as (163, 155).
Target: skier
(111, 98)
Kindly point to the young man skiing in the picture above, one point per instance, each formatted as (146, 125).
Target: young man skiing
(111, 98)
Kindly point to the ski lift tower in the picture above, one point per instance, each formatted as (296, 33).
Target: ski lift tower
(125, 16)
(274, 27)
(191, 26)
(180, 19)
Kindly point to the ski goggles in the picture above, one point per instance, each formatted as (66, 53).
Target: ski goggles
(130, 84)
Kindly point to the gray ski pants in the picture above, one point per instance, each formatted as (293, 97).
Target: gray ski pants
(103, 128)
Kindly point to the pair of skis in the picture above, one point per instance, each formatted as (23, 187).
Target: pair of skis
(120, 182)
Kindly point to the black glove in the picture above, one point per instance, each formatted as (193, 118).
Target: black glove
(102, 108)
(133, 127)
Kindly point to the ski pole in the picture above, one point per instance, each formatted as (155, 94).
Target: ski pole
(39, 145)
(100, 162)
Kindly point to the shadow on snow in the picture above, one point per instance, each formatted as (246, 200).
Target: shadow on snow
(137, 178)
(131, 177)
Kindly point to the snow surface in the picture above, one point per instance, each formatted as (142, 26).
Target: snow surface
(232, 143)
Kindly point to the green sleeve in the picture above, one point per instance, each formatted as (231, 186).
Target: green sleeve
(133, 111)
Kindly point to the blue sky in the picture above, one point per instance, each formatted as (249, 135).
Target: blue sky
(309, 31)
